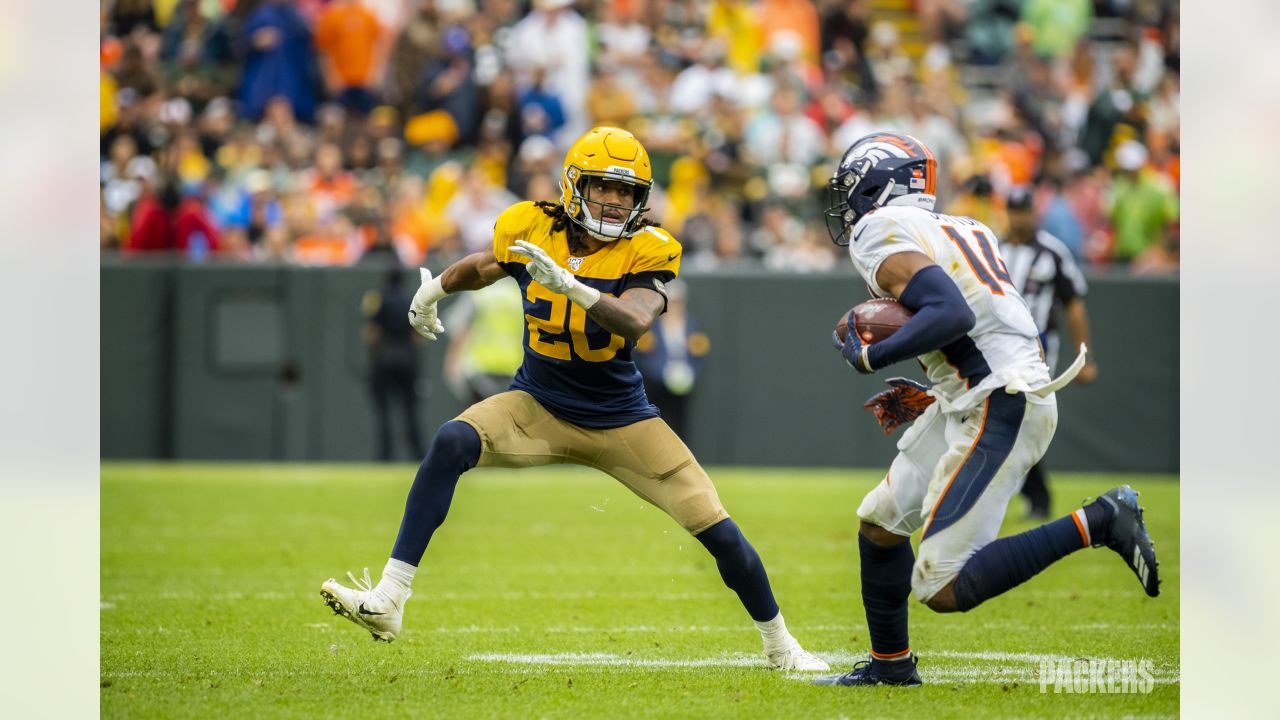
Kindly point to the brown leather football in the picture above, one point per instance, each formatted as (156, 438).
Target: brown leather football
(874, 320)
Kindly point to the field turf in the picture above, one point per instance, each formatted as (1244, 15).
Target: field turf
(557, 593)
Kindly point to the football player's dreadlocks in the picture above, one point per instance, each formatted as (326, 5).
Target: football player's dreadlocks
(575, 233)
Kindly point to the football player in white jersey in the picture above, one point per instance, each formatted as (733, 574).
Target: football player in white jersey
(985, 420)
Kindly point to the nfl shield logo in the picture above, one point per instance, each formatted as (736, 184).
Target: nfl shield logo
(575, 263)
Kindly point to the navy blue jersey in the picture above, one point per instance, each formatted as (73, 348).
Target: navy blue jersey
(577, 370)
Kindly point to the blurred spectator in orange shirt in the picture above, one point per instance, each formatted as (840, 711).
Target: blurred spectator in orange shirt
(409, 224)
(1017, 154)
(330, 185)
(347, 40)
(795, 16)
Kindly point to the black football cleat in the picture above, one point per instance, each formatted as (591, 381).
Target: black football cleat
(871, 672)
(1127, 535)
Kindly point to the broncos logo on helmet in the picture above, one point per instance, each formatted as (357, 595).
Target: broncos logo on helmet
(884, 168)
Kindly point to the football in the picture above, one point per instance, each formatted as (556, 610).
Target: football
(874, 320)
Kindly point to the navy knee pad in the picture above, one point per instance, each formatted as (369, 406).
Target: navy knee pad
(456, 444)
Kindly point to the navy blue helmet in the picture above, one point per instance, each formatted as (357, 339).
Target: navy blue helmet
(883, 168)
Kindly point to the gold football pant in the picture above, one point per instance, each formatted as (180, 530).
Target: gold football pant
(516, 431)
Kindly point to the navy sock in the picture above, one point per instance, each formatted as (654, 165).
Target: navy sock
(1011, 561)
(741, 568)
(455, 450)
(886, 586)
(1098, 516)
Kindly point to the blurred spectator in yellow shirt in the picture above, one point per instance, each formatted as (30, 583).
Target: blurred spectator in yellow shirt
(609, 102)
(977, 200)
(733, 24)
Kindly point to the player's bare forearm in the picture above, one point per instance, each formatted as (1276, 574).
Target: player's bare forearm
(898, 269)
(630, 315)
(472, 272)
(1078, 322)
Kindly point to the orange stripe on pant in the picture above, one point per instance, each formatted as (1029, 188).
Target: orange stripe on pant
(986, 406)
(893, 656)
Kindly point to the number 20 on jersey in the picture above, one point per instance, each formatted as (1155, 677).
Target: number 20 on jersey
(554, 324)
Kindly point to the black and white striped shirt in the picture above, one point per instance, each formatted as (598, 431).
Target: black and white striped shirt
(1046, 274)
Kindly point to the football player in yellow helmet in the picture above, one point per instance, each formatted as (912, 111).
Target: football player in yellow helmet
(600, 170)
(592, 273)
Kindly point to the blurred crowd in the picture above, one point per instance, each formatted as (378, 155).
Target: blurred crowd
(328, 131)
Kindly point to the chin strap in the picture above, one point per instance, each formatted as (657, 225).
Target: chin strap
(886, 193)
(596, 233)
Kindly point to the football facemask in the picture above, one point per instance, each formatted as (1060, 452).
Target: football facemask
(591, 210)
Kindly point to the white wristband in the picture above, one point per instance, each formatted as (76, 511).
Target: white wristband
(864, 359)
(433, 290)
(582, 295)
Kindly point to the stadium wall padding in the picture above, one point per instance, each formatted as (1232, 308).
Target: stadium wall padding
(212, 362)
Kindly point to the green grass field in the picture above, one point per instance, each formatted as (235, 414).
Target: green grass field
(557, 593)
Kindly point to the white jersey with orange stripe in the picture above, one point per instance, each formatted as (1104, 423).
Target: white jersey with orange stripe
(1003, 349)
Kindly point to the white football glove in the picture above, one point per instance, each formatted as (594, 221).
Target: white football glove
(548, 274)
(422, 311)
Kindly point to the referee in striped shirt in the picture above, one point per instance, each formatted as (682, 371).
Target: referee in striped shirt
(1049, 280)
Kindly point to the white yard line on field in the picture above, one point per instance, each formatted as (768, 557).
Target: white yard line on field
(1022, 667)
(676, 629)
(611, 660)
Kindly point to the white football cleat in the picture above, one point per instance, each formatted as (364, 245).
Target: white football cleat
(365, 606)
(790, 656)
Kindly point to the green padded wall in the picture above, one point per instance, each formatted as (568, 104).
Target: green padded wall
(267, 363)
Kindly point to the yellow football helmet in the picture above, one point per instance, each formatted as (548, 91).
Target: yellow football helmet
(606, 154)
